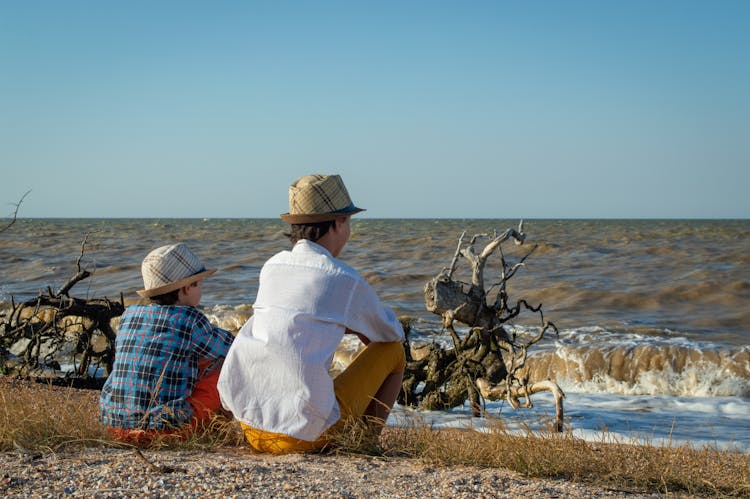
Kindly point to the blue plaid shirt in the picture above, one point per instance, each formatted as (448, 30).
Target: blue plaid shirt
(156, 365)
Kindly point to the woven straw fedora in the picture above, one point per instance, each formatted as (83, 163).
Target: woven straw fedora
(318, 198)
(170, 267)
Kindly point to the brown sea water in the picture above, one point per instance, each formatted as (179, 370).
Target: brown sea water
(629, 296)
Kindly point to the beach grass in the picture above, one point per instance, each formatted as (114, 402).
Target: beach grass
(37, 418)
(632, 467)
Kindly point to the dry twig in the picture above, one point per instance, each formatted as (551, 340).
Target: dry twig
(153, 466)
(15, 212)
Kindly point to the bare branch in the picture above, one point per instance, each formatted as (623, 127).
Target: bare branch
(452, 267)
(15, 212)
(81, 275)
(43, 329)
(83, 249)
(526, 390)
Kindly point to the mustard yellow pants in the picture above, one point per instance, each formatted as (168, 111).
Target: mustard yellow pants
(355, 388)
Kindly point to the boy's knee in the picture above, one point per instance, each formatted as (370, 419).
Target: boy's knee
(394, 351)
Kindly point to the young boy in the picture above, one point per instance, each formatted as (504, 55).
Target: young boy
(167, 354)
(275, 379)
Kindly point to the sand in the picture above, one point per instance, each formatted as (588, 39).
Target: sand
(235, 472)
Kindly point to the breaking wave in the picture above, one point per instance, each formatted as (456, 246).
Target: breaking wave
(598, 361)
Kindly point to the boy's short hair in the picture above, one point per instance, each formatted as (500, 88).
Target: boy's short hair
(169, 298)
(311, 231)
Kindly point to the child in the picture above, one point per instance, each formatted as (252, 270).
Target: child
(275, 379)
(167, 354)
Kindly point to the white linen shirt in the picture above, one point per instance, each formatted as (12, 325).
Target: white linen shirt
(275, 377)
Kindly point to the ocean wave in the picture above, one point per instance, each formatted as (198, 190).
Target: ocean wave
(598, 361)
(231, 318)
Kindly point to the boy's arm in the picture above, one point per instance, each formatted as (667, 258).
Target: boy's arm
(368, 317)
(211, 342)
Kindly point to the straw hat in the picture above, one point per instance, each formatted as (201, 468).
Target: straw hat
(170, 267)
(318, 198)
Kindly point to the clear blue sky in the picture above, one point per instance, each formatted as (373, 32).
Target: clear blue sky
(534, 109)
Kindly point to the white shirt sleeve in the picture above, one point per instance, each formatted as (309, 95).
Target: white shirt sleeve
(368, 316)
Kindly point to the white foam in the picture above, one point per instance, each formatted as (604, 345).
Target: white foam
(716, 422)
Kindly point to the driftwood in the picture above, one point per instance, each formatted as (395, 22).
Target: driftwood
(487, 361)
(56, 328)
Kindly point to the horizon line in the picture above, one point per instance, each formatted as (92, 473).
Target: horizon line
(375, 218)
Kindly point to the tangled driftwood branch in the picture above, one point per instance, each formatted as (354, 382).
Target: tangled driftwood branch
(56, 328)
(488, 362)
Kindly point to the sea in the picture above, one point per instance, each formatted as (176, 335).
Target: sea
(652, 316)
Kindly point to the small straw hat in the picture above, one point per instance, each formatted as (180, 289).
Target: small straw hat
(318, 198)
(170, 267)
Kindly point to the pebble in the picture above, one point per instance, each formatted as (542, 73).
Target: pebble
(116, 473)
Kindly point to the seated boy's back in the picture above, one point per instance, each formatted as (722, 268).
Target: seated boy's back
(158, 348)
(167, 353)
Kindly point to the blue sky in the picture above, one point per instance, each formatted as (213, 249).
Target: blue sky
(559, 109)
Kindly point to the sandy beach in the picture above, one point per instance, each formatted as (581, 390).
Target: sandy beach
(232, 472)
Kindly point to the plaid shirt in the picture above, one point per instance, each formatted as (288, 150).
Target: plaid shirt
(156, 365)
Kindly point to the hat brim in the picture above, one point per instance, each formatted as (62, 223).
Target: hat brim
(148, 293)
(318, 217)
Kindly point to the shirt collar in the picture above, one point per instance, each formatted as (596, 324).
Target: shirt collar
(307, 245)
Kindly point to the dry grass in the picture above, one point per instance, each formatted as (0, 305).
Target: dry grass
(633, 466)
(39, 418)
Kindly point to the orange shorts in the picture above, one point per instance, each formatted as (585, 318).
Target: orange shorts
(205, 403)
(355, 389)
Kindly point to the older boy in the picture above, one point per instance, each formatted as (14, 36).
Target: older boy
(167, 354)
(275, 379)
